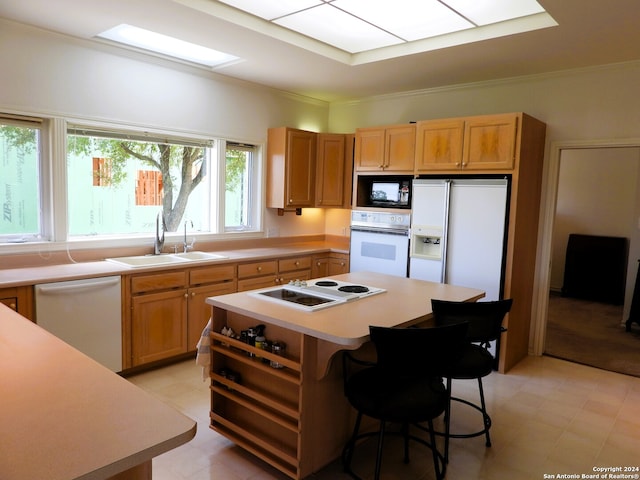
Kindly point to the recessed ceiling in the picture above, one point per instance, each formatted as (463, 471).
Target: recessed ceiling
(588, 33)
(373, 30)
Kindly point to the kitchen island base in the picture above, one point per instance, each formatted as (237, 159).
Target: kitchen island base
(296, 417)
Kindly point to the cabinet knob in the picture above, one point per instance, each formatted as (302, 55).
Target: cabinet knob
(193, 294)
(186, 295)
(342, 264)
(13, 306)
(297, 263)
(317, 264)
(259, 269)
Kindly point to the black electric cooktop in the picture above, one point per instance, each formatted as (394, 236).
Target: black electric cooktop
(305, 299)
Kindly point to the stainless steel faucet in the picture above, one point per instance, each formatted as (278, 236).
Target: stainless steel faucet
(185, 244)
(158, 243)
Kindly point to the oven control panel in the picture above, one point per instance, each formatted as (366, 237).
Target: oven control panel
(365, 218)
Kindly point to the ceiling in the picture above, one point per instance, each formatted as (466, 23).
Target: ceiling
(589, 32)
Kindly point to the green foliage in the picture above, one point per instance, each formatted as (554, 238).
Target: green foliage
(21, 138)
(236, 164)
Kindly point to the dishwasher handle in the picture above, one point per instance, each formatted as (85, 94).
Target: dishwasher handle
(86, 285)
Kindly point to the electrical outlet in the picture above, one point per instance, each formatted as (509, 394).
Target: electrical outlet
(273, 232)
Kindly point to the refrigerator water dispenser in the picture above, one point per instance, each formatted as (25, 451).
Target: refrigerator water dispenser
(426, 242)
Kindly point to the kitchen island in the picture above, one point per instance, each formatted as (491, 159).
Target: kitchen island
(296, 417)
(64, 416)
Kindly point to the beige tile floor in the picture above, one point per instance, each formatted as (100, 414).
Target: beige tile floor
(550, 417)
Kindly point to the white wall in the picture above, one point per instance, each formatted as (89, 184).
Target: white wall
(596, 196)
(47, 74)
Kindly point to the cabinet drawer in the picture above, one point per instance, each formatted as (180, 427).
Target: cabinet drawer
(294, 263)
(158, 281)
(219, 273)
(254, 269)
(257, 282)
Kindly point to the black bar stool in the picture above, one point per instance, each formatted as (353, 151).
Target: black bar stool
(404, 386)
(485, 325)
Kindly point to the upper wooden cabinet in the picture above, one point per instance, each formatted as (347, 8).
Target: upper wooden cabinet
(334, 169)
(486, 142)
(291, 168)
(385, 149)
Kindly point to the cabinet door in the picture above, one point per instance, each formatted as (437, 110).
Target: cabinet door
(439, 145)
(400, 148)
(300, 168)
(200, 310)
(489, 142)
(159, 327)
(330, 171)
(338, 265)
(320, 267)
(369, 150)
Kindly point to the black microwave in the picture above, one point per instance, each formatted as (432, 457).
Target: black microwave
(390, 193)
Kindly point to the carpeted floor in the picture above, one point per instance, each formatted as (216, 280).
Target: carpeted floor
(591, 333)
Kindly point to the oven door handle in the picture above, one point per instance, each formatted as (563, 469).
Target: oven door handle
(390, 231)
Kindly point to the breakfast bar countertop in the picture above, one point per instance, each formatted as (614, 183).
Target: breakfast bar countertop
(64, 416)
(405, 302)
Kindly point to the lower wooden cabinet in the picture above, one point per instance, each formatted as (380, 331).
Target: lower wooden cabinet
(269, 273)
(332, 264)
(168, 310)
(159, 326)
(200, 311)
(19, 299)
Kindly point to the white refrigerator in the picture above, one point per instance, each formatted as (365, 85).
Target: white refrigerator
(458, 229)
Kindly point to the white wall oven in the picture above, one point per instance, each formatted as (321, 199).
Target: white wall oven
(380, 242)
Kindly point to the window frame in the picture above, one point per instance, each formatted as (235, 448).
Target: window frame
(54, 202)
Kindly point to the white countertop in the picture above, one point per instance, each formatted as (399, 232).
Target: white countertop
(11, 277)
(64, 416)
(405, 302)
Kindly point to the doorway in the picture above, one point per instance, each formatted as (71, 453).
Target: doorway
(592, 189)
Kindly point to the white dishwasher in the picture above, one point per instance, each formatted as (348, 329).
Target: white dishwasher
(86, 314)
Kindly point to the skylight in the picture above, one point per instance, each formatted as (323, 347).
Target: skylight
(173, 47)
(361, 31)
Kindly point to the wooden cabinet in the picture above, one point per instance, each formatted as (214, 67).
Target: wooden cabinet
(334, 170)
(158, 316)
(482, 143)
(159, 323)
(258, 407)
(330, 264)
(439, 145)
(168, 310)
(269, 273)
(19, 299)
(291, 168)
(260, 274)
(294, 268)
(385, 149)
(206, 282)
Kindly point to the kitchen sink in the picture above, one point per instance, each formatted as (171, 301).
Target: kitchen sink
(164, 259)
(198, 256)
(147, 260)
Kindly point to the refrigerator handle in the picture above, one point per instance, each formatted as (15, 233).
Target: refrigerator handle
(445, 234)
